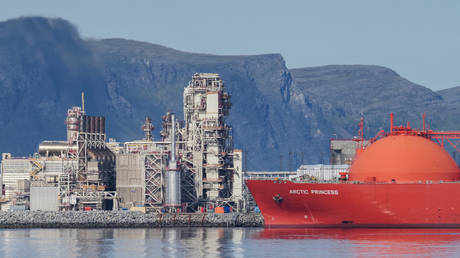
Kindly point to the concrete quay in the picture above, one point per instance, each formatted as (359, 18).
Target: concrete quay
(125, 219)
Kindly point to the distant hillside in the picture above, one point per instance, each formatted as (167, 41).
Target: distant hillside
(44, 65)
(451, 96)
(146, 79)
(371, 91)
(448, 114)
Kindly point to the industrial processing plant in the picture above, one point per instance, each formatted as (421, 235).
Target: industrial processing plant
(193, 167)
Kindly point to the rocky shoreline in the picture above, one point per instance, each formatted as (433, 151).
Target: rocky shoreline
(125, 219)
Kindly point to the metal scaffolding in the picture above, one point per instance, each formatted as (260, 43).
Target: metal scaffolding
(208, 146)
(193, 166)
(154, 170)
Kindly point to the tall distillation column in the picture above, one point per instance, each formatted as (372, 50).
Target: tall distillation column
(148, 127)
(173, 175)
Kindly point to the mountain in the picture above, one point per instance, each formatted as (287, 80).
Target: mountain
(451, 95)
(147, 79)
(279, 116)
(369, 91)
(44, 65)
(449, 113)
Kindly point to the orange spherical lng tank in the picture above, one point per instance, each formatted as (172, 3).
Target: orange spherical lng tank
(404, 158)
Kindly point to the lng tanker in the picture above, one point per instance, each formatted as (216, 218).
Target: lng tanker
(404, 178)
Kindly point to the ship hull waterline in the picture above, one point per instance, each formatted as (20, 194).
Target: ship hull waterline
(388, 205)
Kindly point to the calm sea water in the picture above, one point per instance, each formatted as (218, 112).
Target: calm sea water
(229, 242)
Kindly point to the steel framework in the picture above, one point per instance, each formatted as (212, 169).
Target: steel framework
(207, 152)
(154, 167)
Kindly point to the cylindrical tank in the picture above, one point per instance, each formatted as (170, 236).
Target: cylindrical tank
(102, 124)
(404, 158)
(92, 123)
(173, 195)
(173, 186)
(86, 124)
(73, 125)
(97, 124)
(47, 148)
(82, 123)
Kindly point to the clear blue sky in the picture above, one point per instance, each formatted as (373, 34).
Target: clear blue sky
(418, 39)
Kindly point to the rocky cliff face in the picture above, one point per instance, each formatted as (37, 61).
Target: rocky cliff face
(352, 91)
(44, 65)
(146, 79)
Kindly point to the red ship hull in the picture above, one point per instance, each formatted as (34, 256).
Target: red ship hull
(284, 204)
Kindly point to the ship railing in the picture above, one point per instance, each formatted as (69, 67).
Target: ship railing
(269, 175)
(319, 173)
(312, 178)
(265, 178)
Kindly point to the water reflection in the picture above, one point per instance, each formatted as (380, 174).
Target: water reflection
(228, 242)
(170, 242)
(377, 242)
